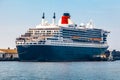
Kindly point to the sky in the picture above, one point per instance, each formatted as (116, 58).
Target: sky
(17, 16)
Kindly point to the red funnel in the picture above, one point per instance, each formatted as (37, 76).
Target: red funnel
(65, 17)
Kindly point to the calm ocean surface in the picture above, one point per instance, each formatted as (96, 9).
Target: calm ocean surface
(60, 70)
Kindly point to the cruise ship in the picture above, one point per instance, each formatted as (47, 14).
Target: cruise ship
(65, 41)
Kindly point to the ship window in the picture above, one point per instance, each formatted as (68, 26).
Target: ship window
(42, 31)
(48, 31)
(55, 31)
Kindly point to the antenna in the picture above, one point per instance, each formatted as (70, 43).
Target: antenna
(54, 16)
(53, 21)
(43, 15)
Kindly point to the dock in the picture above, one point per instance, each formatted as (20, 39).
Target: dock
(8, 55)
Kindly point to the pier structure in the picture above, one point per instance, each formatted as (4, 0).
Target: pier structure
(8, 55)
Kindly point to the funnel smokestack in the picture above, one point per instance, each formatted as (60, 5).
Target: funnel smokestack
(65, 18)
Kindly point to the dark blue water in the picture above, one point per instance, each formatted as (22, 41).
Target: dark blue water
(60, 70)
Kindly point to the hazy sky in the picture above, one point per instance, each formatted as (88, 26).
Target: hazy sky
(16, 16)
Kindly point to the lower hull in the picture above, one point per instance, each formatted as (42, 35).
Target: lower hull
(57, 53)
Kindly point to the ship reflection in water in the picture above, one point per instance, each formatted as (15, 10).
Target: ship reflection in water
(60, 70)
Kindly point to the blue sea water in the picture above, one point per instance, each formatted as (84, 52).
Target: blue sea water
(60, 70)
